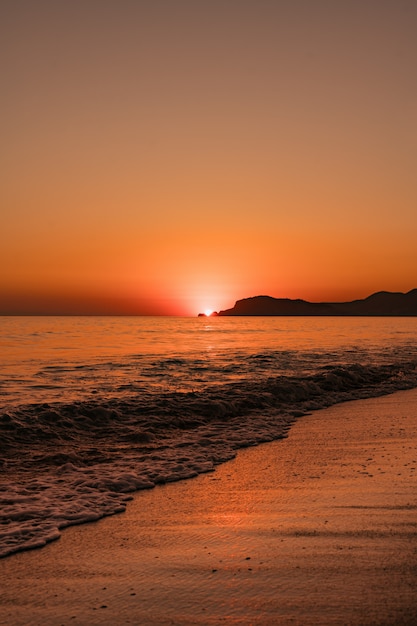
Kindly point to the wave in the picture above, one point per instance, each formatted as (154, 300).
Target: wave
(75, 462)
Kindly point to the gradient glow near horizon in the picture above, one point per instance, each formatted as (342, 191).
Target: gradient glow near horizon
(170, 157)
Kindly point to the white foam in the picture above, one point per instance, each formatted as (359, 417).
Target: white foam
(80, 466)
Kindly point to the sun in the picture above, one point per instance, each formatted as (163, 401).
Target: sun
(208, 312)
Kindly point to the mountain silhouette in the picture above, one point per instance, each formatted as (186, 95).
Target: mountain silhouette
(382, 303)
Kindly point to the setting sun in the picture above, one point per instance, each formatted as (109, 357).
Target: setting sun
(208, 312)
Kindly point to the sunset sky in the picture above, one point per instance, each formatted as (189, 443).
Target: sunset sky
(169, 156)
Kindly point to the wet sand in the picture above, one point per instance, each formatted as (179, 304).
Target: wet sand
(319, 528)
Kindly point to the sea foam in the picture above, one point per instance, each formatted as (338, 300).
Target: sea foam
(66, 463)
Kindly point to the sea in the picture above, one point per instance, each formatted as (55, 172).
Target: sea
(93, 409)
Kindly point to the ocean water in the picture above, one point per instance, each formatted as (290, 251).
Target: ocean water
(95, 408)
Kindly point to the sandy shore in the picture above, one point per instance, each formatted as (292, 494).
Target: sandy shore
(317, 529)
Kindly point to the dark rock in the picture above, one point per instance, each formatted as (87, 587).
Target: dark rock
(383, 303)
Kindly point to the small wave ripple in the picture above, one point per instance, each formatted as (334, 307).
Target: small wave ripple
(71, 463)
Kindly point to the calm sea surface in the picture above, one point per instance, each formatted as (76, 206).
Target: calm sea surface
(44, 359)
(92, 408)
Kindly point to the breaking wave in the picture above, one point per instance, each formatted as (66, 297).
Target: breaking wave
(66, 463)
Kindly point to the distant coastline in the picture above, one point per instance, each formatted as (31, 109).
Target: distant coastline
(380, 304)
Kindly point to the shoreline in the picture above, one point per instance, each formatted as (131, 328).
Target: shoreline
(83, 460)
(317, 528)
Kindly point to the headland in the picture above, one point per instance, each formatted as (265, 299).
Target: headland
(380, 304)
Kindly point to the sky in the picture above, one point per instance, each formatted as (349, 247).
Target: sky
(173, 156)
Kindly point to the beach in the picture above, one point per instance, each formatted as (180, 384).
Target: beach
(319, 528)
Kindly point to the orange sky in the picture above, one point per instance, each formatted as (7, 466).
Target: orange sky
(168, 157)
